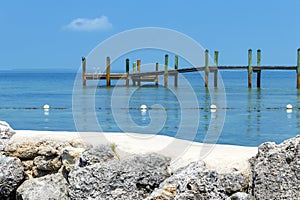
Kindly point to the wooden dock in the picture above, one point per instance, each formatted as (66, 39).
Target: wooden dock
(137, 76)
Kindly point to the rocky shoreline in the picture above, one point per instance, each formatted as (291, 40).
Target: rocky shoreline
(70, 169)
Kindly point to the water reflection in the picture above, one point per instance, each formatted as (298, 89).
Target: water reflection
(206, 109)
(254, 115)
(249, 111)
(298, 109)
(254, 111)
(258, 108)
(144, 114)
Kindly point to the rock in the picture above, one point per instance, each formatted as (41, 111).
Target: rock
(50, 148)
(47, 163)
(43, 165)
(276, 170)
(100, 153)
(239, 196)
(28, 165)
(25, 151)
(197, 182)
(233, 182)
(132, 178)
(6, 132)
(29, 150)
(3, 143)
(11, 175)
(70, 156)
(44, 157)
(52, 186)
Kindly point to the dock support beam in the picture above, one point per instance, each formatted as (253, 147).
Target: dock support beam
(134, 71)
(108, 71)
(138, 66)
(176, 73)
(134, 67)
(127, 72)
(156, 75)
(298, 69)
(139, 71)
(83, 71)
(258, 77)
(166, 70)
(250, 69)
(206, 68)
(216, 61)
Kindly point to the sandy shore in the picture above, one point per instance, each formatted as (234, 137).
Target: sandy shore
(223, 158)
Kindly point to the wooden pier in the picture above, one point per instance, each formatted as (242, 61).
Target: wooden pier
(137, 76)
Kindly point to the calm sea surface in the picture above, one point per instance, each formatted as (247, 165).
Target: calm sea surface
(250, 116)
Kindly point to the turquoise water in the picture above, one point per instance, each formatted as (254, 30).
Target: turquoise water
(252, 116)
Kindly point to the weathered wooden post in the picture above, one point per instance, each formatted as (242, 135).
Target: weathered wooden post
(206, 68)
(134, 67)
(176, 73)
(139, 66)
(258, 78)
(83, 60)
(166, 71)
(250, 69)
(134, 71)
(108, 71)
(139, 71)
(156, 74)
(216, 61)
(127, 72)
(298, 69)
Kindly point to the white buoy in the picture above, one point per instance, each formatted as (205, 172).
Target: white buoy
(289, 106)
(213, 106)
(46, 107)
(143, 107)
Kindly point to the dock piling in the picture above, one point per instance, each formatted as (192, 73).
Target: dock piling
(108, 71)
(206, 68)
(166, 70)
(258, 78)
(83, 60)
(134, 67)
(250, 69)
(127, 72)
(298, 69)
(134, 71)
(139, 70)
(138, 66)
(216, 61)
(156, 75)
(176, 73)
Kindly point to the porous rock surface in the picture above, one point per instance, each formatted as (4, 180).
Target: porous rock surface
(197, 182)
(54, 187)
(43, 157)
(6, 132)
(11, 176)
(98, 154)
(133, 178)
(276, 170)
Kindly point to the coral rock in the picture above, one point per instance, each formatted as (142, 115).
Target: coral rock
(11, 175)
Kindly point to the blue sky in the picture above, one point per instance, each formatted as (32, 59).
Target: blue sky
(55, 34)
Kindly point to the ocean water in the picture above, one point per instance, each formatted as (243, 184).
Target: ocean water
(244, 116)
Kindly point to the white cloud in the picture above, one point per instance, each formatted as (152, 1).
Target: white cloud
(85, 24)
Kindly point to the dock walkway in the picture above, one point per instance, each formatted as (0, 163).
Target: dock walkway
(137, 76)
